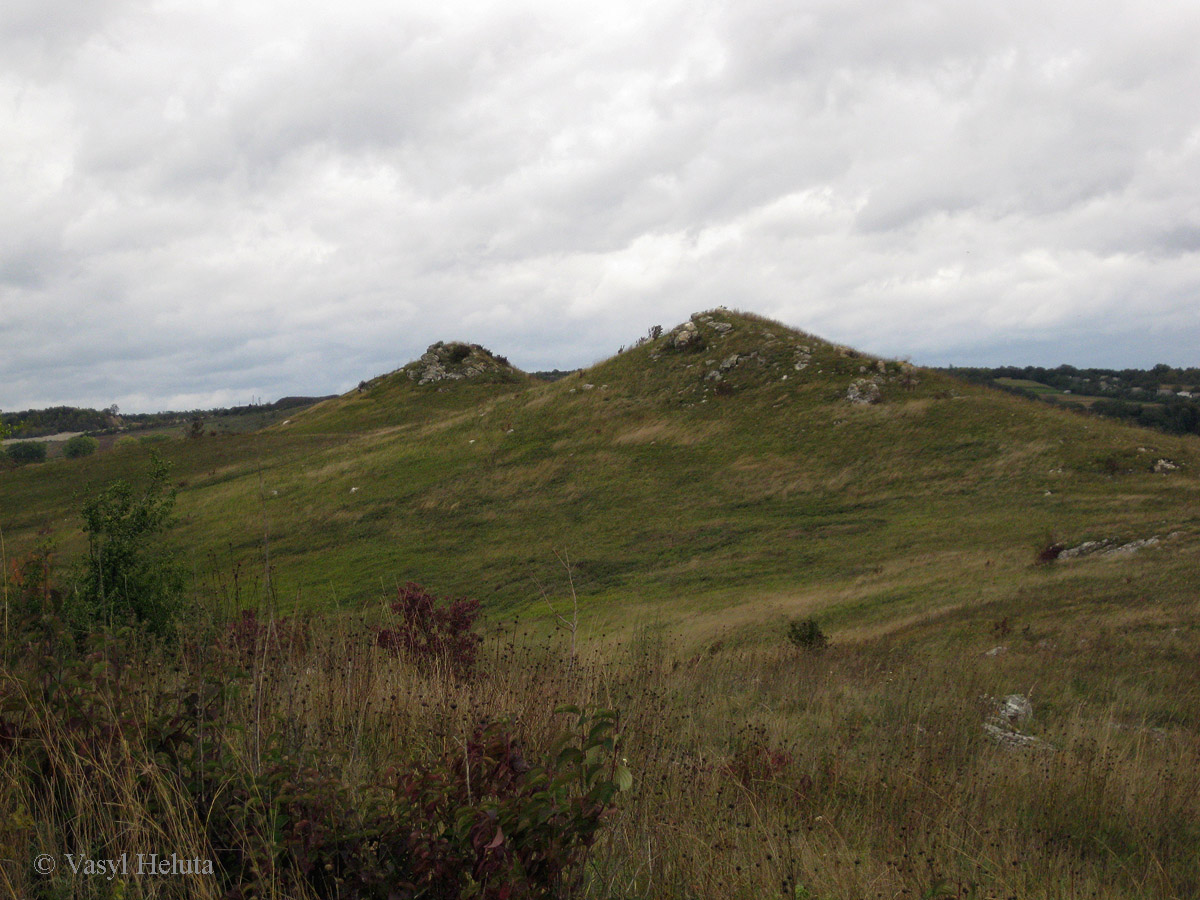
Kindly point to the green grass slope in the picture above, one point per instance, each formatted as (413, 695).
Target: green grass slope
(712, 480)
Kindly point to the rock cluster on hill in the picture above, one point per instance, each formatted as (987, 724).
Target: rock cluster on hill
(454, 361)
(735, 353)
(686, 337)
(690, 335)
(863, 391)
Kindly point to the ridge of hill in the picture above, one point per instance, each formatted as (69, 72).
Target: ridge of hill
(728, 472)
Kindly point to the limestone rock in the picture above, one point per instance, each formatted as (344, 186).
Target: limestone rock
(1015, 709)
(1001, 726)
(863, 392)
(686, 337)
(1014, 740)
(455, 361)
(1109, 547)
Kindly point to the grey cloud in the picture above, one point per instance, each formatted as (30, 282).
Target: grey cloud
(264, 198)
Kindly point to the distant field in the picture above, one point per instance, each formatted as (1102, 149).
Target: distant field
(1049, 392)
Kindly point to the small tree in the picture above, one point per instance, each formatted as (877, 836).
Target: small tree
(27, 452)
(128, 577)
(80, 445)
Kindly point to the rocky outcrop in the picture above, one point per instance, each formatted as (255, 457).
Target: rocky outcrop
(863, 392)
(1110, 547)
(695, 333)
(455, 361)
(686, 337)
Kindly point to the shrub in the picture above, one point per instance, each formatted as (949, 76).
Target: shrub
(432, 635)
(459, 352)
(1049, 552)
(806, 634)
(485, 819)
(27, 452)
(35, 594)
(119, 726)
(80, 445)
(128, 577)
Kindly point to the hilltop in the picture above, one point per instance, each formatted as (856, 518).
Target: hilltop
(447, 376)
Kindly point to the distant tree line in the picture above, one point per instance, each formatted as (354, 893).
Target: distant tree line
(1154, 398)
(57, 419)
(1175, 415)
(1093, 381)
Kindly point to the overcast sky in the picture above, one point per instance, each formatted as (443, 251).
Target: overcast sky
(206, 202)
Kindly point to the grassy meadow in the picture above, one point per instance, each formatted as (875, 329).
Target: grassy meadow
(691, 517)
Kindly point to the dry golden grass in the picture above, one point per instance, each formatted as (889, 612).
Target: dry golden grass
(860, 771)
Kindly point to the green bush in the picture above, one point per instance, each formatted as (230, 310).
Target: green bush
(128, 577)
(806, 634)
(80, 445)
(27, 452)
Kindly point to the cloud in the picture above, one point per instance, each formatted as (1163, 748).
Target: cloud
(230, 200)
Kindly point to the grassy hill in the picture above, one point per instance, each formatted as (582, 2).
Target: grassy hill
(705, 488)
(717, 481)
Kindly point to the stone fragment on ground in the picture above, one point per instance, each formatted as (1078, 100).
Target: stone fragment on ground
(1001, 726)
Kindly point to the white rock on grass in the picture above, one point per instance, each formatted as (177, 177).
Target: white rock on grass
(1015, 709)
(863, 392)
(1001, 727)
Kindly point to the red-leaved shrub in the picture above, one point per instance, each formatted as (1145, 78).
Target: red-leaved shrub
(432, 635)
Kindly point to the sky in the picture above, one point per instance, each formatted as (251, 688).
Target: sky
(216, 202)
